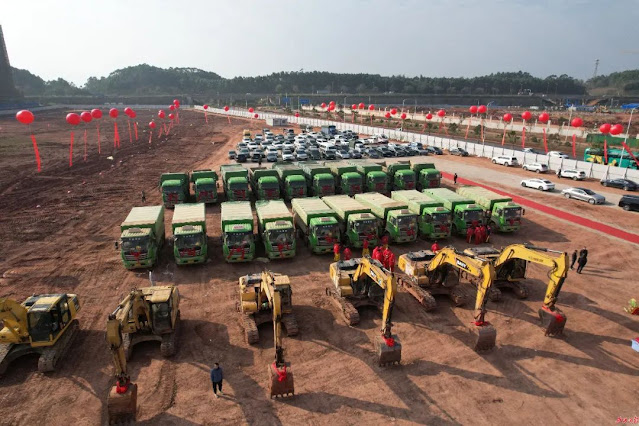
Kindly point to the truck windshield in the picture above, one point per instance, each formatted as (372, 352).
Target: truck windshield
(408, 178)
(135, 243)
(326, 234)
(238, 186)
(207, 187)
(189, 241)
(298, 184)
(354, 180)
(270, 185)
(281, 236)
(512, 213)
(407, 221)
(379, 179)
(365, 227)
(238, 239)
(441, 218)
(40, 326)
(473, 215)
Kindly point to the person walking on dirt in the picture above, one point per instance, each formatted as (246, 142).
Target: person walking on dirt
(385, 241)
(573, 259)
(435, 247)
(583, 252)
(455, 178)
(143, 197)
(217, 375)
(347, 253)
(581, 262)
(469, 234)
(336, 250)
(559, 174)
(259, 161)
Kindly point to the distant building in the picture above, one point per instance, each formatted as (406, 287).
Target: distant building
(8, 89)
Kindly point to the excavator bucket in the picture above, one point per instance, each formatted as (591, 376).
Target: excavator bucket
(486, 337)
(280, 380)
(389, 351)
(122, 407)
(553, 322)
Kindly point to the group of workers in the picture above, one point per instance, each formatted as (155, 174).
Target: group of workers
(381, 253)
(480, 233)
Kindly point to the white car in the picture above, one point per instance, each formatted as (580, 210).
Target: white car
(572, 174)
(557, 154)
(287, 155)
(535, 167)
(584, 194)
(505, 160)
(289, 145)
(540, 184)
(252, 146)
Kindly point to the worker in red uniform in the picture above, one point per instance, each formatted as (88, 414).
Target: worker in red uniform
(469, 234)
(391, 261)
(385, 241)
(386, 257)
(435, 247)
(483, 233)
(365, 251)
(336, 249)
(347, 253)
(477, 235)
(377, 253)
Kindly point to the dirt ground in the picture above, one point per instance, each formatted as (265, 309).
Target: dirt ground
(57, 234)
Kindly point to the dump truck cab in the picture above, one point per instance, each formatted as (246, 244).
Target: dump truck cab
(426, 173)
(434, 220)
(317, 224)
(142, 236)
(347, 180)
(501, 212)
(465, 213)
(395, 219)
(400, 175)
(204, 185)
(238, 239)
(235, 179)
(175, 188)
(265, 183)
(292, 180)
(374, 178)
(319, 179)
(276, 229)
(190, 242)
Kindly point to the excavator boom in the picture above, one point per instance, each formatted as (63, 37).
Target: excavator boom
(280, 375)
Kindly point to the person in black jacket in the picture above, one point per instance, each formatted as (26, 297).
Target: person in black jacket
(573, 259)
(217, 375)
(583, 259)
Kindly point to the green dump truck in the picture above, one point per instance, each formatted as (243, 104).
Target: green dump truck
(265, 183)
(292, 180)
(501, 212)
(395, 220)
(190, 242)
(399, 174)
(464, 211)
(433, 220)
(347, 180)
(236, 182)
(238, 239)
(426, 174)
(204, 185)
(276, 228)
(374, 178)
(142, 236)
(319, 180)
(175, 188)
(357, 222)
(317, 224)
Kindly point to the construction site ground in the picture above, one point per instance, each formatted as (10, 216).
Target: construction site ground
(57, 235)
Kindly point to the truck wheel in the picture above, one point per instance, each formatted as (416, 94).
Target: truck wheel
(626, 207)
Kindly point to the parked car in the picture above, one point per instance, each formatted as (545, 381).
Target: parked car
(625, 184)
(301, 155)
(541, 184)
(232, 155)
(329, 154)
(372, 153)
(571, 174)
(342, 154)
(257, 155)
(629, 202)
(271, 156)
(241, 157)
(584, 194)
(535, 167)
(241, 146)
(356, 154)
(287, 155)
(434, 150)
(253, 146)
(530, 151)
(314, 154)
(400, 152)
(384, 152)
(458, 151)
(505, 161)
(557, 154)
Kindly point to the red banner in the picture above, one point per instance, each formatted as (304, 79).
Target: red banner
(135, 127)
(630, 152)
(37, 152)
(523, 137)
(130, 135)
(116, 135)
(503, 137)
(468, 127)
(71, 150)
(574, 146)
(545, 141)
(605, 151)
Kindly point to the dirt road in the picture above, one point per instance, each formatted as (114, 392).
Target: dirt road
(58, 230)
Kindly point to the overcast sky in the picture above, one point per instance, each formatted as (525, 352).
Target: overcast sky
(76, 40)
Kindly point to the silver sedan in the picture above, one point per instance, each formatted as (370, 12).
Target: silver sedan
(584, 194)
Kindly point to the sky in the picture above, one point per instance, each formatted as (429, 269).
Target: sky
(452, 38)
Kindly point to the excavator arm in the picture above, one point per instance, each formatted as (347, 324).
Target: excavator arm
(280, 375)
(14, 318)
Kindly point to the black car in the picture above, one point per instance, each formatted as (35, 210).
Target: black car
(385, 152)
(629, 202)
(625, 184)
(314, 154)
(434, 150)
(459, 151)
(372, 153)
(241, 157)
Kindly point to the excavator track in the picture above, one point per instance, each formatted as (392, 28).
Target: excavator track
(348, 309)
(423, 296)
(290, 324)
(168, 347)
(494, 294)
(50, 356)
(520, 289)
(250, 329)
(458, 296)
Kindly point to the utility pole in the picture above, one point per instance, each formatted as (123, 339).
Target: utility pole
(594, 74)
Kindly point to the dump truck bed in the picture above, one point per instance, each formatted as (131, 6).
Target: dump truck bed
(236, 211)
(272, 210)
(308, 208)
(344, 205)
(189, 213)
(142, 216)
(380, 204)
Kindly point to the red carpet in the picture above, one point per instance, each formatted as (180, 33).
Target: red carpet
(633, 238)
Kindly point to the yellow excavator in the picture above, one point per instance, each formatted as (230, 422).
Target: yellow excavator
(436, 272)
(365, 282)
(44, 324)
(268, 297)
(510, 266)
(145, 314)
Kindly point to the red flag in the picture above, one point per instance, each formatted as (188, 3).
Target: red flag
(503, 137)
(135, 127)
(630, 152)
(71, 150)
(206, 117)
(37, 152)
(605, 151)
(116, 135)
(545, 141)
(574, 145)
(150, 136)
(523, 137)
(130, 135)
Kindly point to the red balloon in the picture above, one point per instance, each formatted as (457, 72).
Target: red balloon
(429, 116)
(171, 116)
(96, 113)
(403, 116)
(133, 114)
(207, 107)
(323, 105)
(441, 113)
(605, 128)
(331, 107)
(73, 119)
(616, 129)
(544, 117)
(113, 113)
(127, 111)
(577, 122)
(251, 109)
(226, 107)
(508, 118)
(161, 114)
(354, 106)
(473, 109)
(297, 114)
(172, 107)
(256, 115)
(387, 115)
(177, 106)
(361, 105)
(526, 115)
(152, 124)
(393, 111)
(86, 116)
(482, 109)
(331, 103)
(25, 116)
(371, 107)
(176, 102)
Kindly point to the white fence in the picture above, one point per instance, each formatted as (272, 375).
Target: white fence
(596, 171)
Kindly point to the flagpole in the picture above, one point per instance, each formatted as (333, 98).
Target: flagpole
(625, 140)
